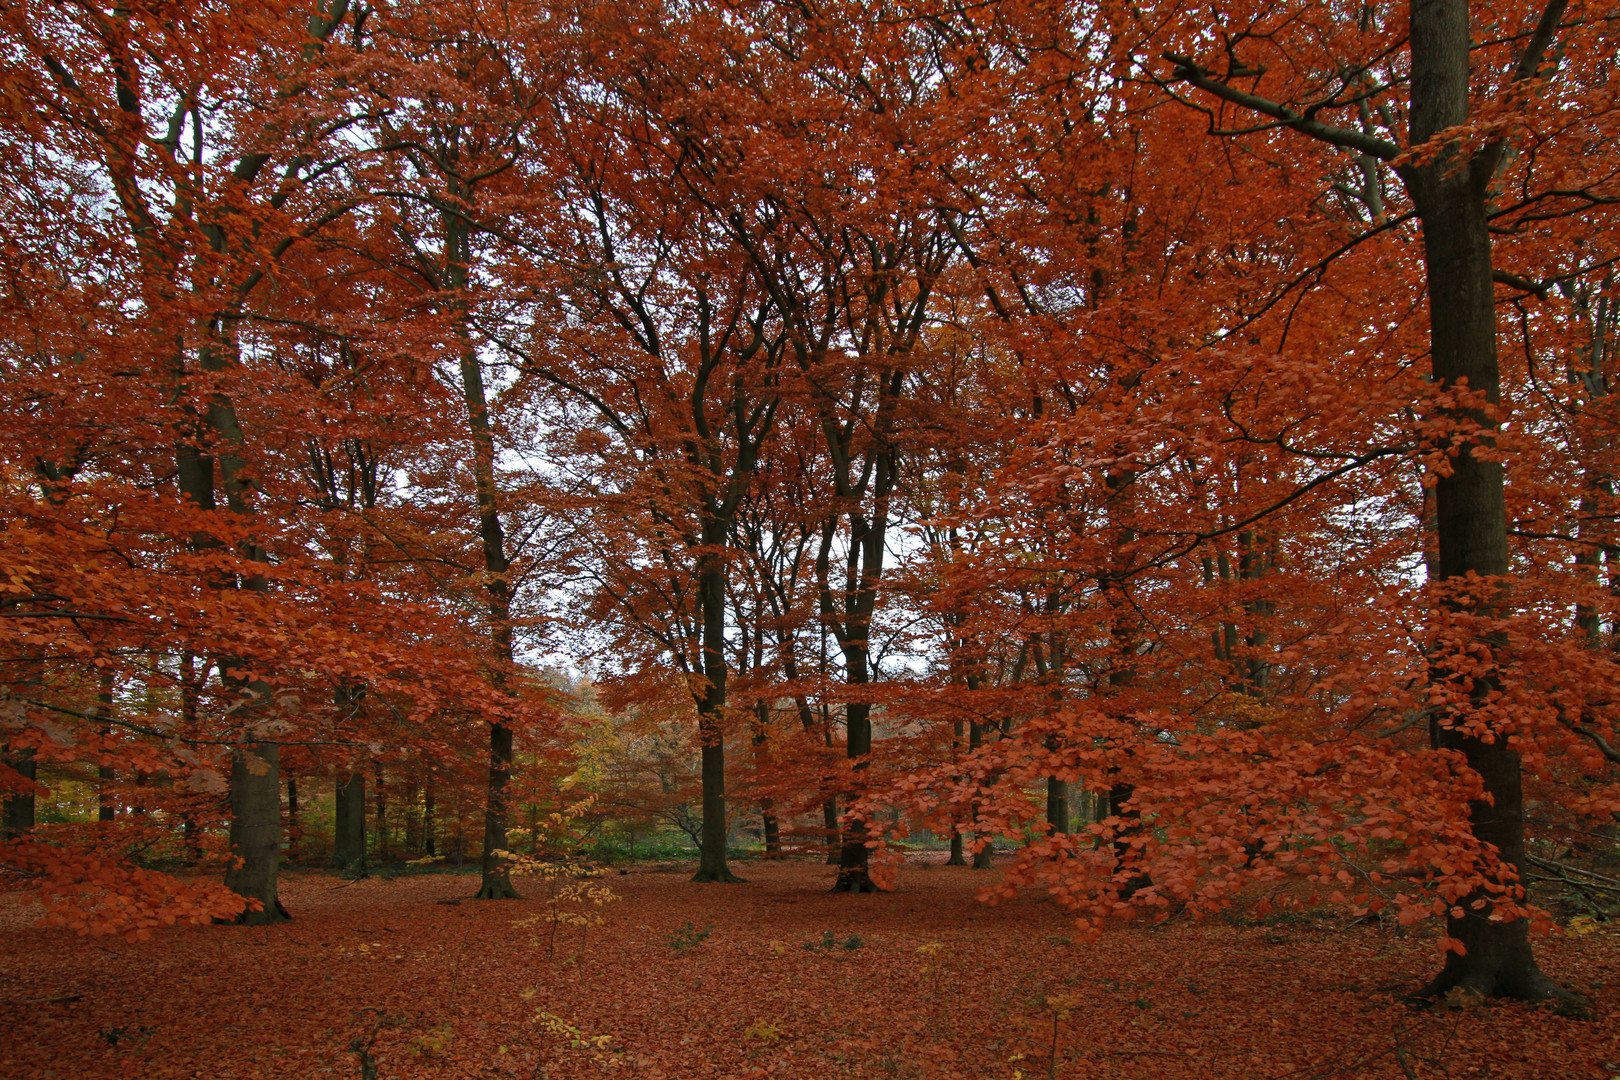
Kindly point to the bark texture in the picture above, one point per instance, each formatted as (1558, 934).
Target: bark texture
(349, 830)
(256, 831)
(1451, 196)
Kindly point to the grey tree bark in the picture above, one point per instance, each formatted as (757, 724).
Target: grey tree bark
(349, 829)
(1450, 190)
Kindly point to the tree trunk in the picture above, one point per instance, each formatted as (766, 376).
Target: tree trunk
(711, 707)
(379, 796)
(1450, 195)
(771, 828)
(349, 831)
(295, 832)
(829, 805)
(412, 797)
(958, 730)
(495, 883)
(256, 831)
(1057, 805)
(106, 809)
(19, 808)
(853, 873)
(255, 796)
(429, 846)
(981, 856)
(867, 538)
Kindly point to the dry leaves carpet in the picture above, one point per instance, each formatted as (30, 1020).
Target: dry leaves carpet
(768, 979)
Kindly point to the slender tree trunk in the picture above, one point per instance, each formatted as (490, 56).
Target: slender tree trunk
(412, 797)
(711, 708)
(255, 797)
(495, 883)
(958, 857)
(190, 695)
(853, 873)
(1255, 558)
(767, 806)
(379, 796)
(295, 831)
(106, 809)
(982, 855)
(1052, 675)
(867, 538)
(832, 836)
(429, 844)
(823, 731)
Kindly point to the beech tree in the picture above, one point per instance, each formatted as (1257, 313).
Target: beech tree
(666, 359)
(1123, 371)
(198, 150)
(1452, 170)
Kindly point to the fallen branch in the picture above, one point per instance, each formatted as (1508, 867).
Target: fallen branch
(1564, 869)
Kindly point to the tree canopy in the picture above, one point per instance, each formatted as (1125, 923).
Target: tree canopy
(1177, 437)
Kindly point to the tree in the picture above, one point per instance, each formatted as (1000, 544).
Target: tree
(156, 497)
(1451, 169)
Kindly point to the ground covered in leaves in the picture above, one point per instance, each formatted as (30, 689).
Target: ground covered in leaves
(771, 978)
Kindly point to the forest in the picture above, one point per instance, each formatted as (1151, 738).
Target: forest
(759, 538)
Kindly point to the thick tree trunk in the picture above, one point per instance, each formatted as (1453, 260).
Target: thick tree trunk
(349, 829)
(256, 807)
(853, 872)
(256, 831)
(1470, 508)
(1057, 805)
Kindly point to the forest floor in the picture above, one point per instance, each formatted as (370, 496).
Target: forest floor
(774, 978)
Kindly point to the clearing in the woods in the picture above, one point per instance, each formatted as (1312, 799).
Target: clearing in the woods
(772, 978)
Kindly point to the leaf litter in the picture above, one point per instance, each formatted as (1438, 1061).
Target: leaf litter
(408, 978)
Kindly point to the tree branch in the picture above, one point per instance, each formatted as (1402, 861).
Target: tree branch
(1529, 65)
(1188, 72)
